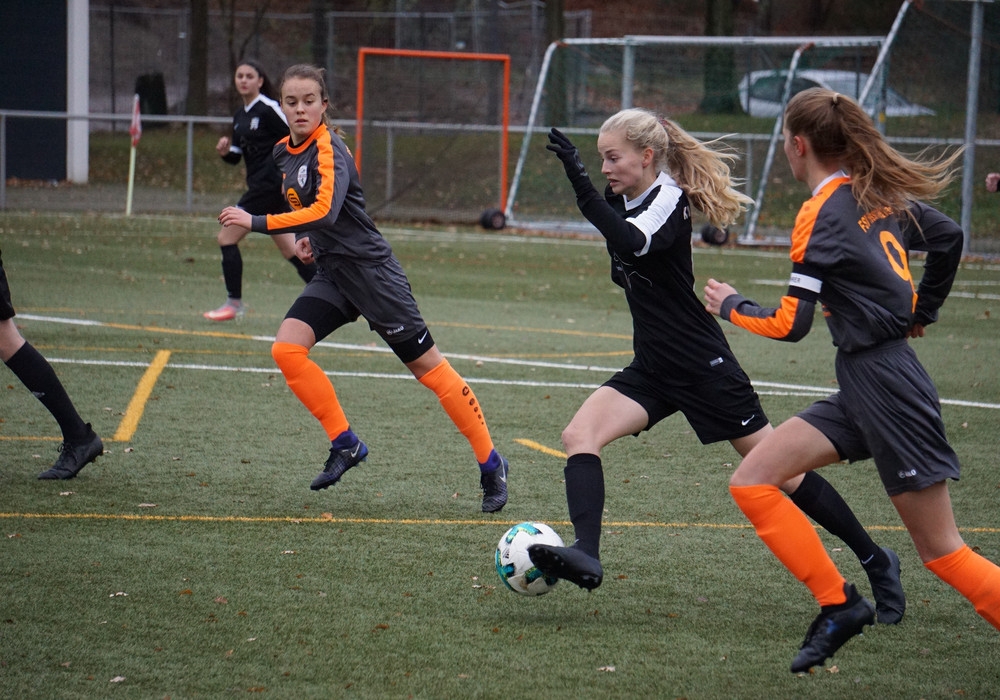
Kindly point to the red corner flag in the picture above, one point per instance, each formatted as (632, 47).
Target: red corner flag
(135, 128)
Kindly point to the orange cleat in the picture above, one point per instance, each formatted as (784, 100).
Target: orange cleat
(227, 312)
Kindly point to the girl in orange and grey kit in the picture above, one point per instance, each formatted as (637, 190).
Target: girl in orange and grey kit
(357, 275)
(850, 252)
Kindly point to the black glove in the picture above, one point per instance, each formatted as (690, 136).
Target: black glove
(570, 157)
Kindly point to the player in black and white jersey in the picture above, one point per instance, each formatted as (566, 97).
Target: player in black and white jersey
(81, 445)
(850, 252)
(656, 172)
(257, 126)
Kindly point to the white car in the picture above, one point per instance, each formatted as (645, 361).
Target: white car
(761, 90)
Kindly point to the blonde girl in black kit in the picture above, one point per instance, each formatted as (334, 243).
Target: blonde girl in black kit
(656, 172)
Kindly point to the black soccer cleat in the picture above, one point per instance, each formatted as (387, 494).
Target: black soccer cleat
(570, 563)
(74, 456)
(494, 485)
(887, 589)
(339, 461)
(831, 629)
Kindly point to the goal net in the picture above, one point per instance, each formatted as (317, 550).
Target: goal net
(431, 134)
(727, 88)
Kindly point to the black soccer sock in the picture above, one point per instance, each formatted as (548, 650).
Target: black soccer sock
(585, 499)
(817, 498)
(37, 375)
(305, 271)
(232, 270)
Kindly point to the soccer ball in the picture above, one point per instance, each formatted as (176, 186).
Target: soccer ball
(513, 564)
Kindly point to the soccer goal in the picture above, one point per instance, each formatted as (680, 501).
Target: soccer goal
(431, 139)
(728, 88)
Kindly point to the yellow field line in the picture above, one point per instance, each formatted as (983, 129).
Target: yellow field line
(126, 429)
(531, 444)
(150, 517)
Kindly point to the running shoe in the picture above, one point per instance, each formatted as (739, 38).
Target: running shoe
(339, 461)
(74, 456)
(227, 312)
(831, 629)
(570, 563)
(887, 589)
(494, 485)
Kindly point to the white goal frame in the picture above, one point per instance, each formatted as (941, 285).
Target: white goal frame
(628, 46)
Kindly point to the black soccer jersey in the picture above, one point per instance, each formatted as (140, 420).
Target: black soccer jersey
(256, 128)
(649, 241)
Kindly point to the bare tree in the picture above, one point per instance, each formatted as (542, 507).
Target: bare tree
(555, 29)
(238, 46)
(720, 61)
(197, 92)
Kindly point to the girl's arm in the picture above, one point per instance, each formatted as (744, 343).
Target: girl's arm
(943, 241)
(791, 321)
(623, 236)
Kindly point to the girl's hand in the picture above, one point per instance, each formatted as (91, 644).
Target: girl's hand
(715, 293)
(222, 147)
(304, 250)
(916, 331)
(234, 216)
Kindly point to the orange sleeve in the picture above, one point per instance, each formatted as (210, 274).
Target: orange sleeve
(322, 210)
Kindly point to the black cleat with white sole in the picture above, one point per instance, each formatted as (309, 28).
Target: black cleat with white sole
(570, 563)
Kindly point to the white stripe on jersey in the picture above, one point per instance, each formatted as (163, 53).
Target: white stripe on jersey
(656, 214)
(273, 104)
(810, 284)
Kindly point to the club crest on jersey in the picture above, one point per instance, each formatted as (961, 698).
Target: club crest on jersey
(302, 175)
(254, 123)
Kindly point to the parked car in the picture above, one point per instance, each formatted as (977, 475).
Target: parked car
(760, 91)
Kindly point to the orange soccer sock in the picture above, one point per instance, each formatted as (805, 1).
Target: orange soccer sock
(461, 406)
(311, 385)
(975, 577)
(792, 538)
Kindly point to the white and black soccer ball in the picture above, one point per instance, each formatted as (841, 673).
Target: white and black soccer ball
(513, 564)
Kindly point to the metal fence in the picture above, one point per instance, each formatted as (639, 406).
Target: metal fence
(128, 43)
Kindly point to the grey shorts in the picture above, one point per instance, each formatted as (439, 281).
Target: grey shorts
(380, 293)
(887, 409)
(725, 408)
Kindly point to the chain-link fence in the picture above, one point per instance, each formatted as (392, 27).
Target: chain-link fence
(129, 43)
(929, 66)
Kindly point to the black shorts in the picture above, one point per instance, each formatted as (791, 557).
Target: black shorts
(263, 202)
(6, 307)
(887, 409)
(722, 409)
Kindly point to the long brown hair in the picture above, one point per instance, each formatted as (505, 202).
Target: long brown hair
(841, 133)
(700, 170)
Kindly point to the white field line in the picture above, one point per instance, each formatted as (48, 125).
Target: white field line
(763, 388)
